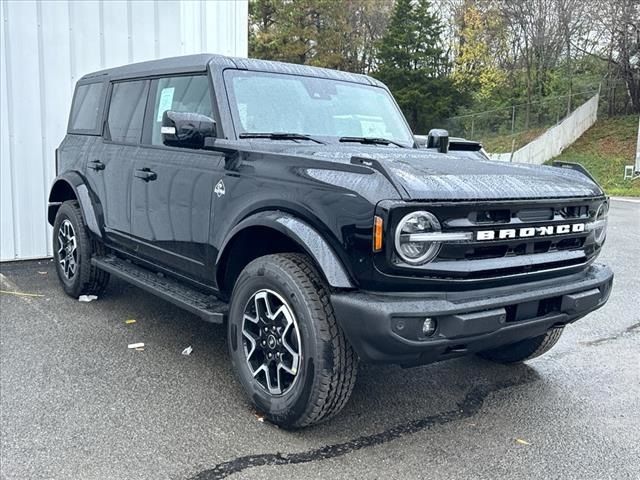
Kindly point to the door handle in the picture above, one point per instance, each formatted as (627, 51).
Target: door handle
(97, 165)
(146, 174)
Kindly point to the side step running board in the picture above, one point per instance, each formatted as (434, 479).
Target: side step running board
(206, 306)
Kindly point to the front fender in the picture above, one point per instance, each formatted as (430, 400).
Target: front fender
(305, 236)
(70, 185)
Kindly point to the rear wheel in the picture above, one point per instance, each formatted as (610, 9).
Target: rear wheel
(286, 348)
(524, 349)
(72, 250)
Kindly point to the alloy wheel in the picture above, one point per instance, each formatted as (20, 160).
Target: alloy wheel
(271, 340)
(67, 249)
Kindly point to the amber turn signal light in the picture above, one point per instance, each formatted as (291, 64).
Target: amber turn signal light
(377, 234)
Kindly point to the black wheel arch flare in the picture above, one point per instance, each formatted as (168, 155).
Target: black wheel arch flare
(302, 234)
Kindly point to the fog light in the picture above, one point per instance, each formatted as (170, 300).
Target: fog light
(429, 326)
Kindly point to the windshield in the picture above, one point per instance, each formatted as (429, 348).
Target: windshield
(321, 107)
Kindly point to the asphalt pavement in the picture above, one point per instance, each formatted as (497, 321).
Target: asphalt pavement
(76, 403)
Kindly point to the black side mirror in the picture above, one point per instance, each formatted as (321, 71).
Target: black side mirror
(183, 129)
(438, 138)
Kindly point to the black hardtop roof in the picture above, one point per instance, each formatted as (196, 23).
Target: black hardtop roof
(199, 63)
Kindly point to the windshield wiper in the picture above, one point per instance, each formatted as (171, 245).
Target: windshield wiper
(281, 136)
(372, 141)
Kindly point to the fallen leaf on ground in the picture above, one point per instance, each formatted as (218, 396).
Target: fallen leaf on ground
(131, 320)
(522, 442)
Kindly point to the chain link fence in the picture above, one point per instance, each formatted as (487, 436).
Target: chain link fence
(506, 129)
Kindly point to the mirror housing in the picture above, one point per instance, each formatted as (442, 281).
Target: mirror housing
(438, 138)
(185, 129)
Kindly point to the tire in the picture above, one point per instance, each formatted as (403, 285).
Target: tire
(524, 349)
(69, 231)
(325, 373)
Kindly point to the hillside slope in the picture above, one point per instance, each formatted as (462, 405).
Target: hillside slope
(604, 150)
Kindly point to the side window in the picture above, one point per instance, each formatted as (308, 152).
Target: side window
(86, 109)
(180, 94)
(126, 111)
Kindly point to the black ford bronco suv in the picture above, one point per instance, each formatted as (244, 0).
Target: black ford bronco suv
(294, 204)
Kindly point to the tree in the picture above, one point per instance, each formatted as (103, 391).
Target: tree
(412, 63)
(480, 43)
(326, 33)
(618, 27)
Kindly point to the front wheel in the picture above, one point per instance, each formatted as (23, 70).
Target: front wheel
(524, 349)
(286, 348)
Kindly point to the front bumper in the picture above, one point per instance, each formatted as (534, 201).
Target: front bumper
(387, 327)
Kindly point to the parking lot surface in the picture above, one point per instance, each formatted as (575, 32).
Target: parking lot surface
(77, 403)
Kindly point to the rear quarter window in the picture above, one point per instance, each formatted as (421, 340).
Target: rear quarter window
(86, 110)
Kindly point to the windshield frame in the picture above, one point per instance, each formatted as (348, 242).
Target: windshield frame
(333, 139)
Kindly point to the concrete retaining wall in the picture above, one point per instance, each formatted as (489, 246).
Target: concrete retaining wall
(552, 142)
(638, 149)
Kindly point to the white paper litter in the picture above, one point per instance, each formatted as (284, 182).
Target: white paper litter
(187, 351)
(87, 298)
(136, 345)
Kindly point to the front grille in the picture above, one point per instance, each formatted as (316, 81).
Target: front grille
(521, 255)
(499, 250)
(485, 259)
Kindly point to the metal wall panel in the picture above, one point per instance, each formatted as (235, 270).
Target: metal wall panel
(45, 47)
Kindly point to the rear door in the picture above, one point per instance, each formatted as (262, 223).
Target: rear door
(110, 167)
(172, 187)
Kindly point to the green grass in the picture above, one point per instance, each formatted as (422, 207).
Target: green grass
(604, 150)
(504, 143)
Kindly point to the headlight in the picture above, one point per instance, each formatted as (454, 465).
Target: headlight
(409, 246)
(600, 230)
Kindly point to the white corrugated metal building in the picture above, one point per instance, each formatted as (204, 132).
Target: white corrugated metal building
(45, 47)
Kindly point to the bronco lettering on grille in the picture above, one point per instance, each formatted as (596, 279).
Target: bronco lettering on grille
(528, 232)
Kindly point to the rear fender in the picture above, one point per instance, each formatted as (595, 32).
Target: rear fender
(72, 186)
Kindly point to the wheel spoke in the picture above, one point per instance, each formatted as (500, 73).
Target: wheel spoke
(290, 370)
(252, 340)
(274, 389)
(255, 319)
(281, 311)
(262, 298)
(285, 343)
(261, 368)
(72, 265)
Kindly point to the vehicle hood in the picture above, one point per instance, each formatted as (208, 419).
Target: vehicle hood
(422, 174)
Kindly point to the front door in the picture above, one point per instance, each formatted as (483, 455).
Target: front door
(172, 187)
